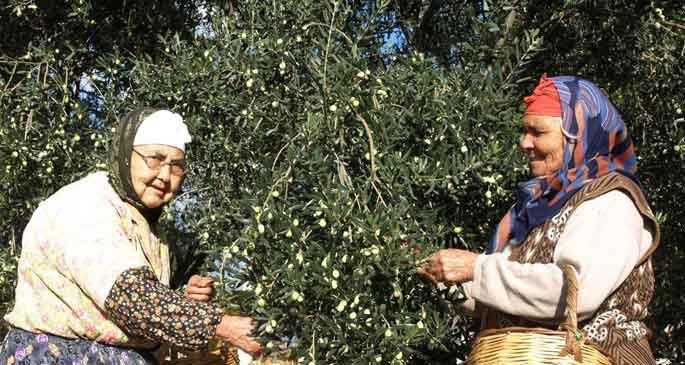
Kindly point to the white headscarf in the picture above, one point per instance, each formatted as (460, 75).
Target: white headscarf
(163, 127)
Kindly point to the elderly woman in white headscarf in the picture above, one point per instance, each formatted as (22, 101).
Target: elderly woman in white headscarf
(93, 277)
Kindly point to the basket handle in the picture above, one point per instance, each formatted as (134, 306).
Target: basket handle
(570, 325)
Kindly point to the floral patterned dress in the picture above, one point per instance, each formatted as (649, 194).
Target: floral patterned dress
(23, 347)
(93, 285)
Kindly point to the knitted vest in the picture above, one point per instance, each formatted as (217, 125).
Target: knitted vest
(617, 327)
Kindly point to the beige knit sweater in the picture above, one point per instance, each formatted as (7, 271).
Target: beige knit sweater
(603, 240)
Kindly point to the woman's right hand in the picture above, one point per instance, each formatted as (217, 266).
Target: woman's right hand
(236, 331)
(449, 266)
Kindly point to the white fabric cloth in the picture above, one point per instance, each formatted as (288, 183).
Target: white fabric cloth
(244, 357)
(163, 127)
(603, 240)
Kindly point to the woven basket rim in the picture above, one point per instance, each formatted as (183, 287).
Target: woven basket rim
(537, 331)
(532, 330)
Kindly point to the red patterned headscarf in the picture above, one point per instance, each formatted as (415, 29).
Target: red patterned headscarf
(544, 100)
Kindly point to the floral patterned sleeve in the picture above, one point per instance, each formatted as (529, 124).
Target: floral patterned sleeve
(142, 306)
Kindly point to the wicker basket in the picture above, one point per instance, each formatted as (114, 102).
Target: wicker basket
(274, 361)
(219, 354)
(204, 359)
(519, 345)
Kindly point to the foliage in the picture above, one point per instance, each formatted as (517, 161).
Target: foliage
(335, 143)
(8, 275)
(331, 188)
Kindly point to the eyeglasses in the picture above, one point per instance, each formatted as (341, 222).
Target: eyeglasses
(156, 162)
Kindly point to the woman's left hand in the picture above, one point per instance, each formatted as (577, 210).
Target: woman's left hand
(449, 266)
(200, 288)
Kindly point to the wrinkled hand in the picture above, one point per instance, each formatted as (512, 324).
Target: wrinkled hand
(448, 266)
(200, 288)
(236, 331)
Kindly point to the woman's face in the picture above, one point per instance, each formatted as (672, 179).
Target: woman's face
(543, 143)
(155, 187)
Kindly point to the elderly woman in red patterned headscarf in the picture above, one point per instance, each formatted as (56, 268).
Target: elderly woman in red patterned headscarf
(583, 207)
